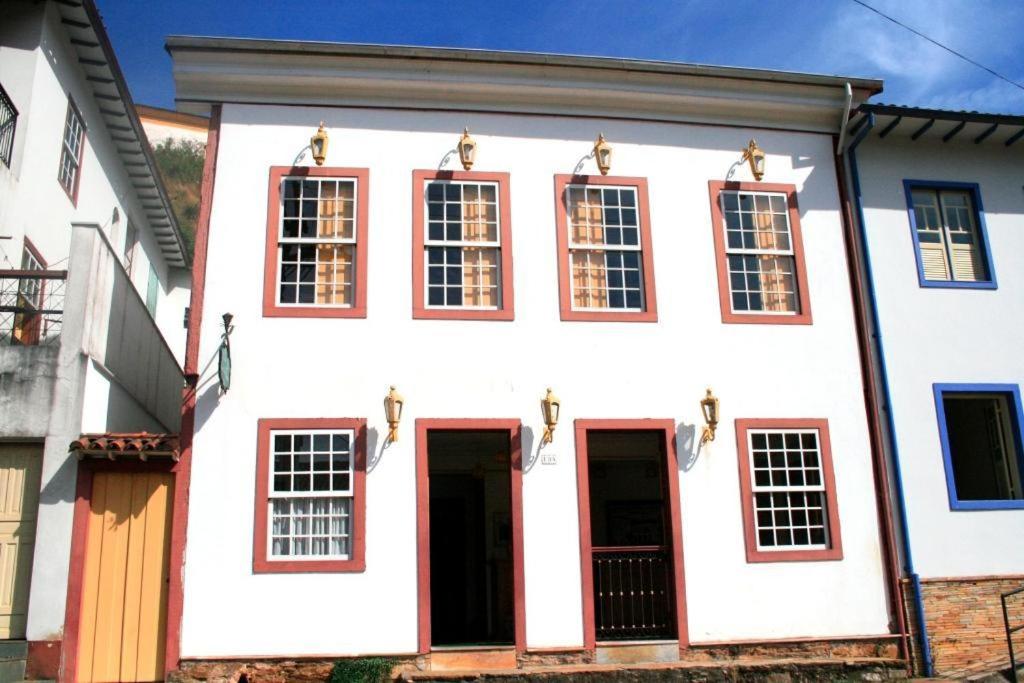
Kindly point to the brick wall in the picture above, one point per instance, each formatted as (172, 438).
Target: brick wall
(965, 622)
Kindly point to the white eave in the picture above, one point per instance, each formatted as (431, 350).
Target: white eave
(897, 123)
(95, 54)
(233, 70)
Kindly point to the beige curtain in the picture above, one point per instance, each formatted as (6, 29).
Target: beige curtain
(335, 271)
(774, 282)
(480, 277)
(589, 273)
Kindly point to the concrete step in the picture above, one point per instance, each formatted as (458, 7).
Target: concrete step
(777, 671)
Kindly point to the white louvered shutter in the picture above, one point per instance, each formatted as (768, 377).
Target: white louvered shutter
(931, 237)
(962, 233)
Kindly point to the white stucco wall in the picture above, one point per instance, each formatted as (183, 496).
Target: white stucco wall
(39, 70)
(934, 335)
(323, 367)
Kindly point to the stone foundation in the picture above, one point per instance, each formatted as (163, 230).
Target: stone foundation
(965, 622)
(272, 670)
(872, 658)
(885, 647)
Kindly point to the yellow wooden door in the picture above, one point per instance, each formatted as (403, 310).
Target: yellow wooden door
(124, 587)
(20, 468)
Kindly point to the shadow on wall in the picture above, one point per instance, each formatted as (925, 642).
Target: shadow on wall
(688, 448)
(682, 135)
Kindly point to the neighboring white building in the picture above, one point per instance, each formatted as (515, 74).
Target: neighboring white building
(311, 534)
(939, 200)
(94, 283)
(165, 124)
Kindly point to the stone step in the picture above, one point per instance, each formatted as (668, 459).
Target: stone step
(777, 671)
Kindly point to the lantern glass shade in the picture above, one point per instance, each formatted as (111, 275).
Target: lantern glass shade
(467, 150)
(318, 145)
(710, 408)
(603, 155)
(393, 405)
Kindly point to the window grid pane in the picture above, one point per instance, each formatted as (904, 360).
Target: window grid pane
(788, 487)
(604, 248)
(71, 148)
(311, 488)
(462, 245)
(759, 252)
(317, 242)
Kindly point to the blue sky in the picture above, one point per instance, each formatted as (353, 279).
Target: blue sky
(821, 36)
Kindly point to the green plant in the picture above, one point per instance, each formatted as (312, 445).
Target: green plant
(362, 670)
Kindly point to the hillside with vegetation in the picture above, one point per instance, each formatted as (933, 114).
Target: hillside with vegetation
(181, 167)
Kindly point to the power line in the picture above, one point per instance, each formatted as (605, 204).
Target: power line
(935, 42)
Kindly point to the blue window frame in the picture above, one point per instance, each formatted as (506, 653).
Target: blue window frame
(947, 224)
(982, 447)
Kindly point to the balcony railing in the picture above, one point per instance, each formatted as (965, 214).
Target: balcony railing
(633, 597)
(31, 306)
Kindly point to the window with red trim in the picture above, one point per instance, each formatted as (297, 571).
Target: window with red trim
(762, 277)
(462, 246)
(605, 263)
(310, 495)
(788, 489)
(316, 243)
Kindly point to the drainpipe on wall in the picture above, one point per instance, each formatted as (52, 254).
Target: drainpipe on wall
(908, 558)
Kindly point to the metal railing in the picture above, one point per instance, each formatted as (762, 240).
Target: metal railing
(8, 121)
(1010, 630)
(633, 593)
(31, 306)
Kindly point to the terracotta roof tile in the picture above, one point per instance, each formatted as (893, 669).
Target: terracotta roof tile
(129, 444)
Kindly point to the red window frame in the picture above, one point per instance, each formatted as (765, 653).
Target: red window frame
(803, 316)
(419, 307)
(835, 549)
(272, 309)
(73, 193)
(357, 559)
(650, 312)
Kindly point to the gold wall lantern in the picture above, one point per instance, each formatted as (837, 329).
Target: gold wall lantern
(603, 154)
(550, 407)
(318, 143)
(709, 406)
(393, 404)
(467, 150)
(754, 155)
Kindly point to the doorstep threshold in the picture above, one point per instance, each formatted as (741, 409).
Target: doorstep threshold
(470, 648)
(614, 643)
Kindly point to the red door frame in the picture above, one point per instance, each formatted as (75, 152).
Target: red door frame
(79, 545)
(668, 428)
(514, 429)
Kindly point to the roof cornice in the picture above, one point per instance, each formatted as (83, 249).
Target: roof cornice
(209, 70)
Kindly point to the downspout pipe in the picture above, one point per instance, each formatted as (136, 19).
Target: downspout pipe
(901, 502)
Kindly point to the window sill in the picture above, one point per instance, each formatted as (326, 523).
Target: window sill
(461, 314)
(968, 505)
(757, 556)
(729, 318)
(951, 284)
(308, 566)
(610, 316)
(273, 311)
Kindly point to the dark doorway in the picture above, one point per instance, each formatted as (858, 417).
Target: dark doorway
(471, 562)
(630, 542)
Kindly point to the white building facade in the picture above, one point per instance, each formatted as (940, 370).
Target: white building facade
(94, 283)
(938, 199)
(317, 535)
